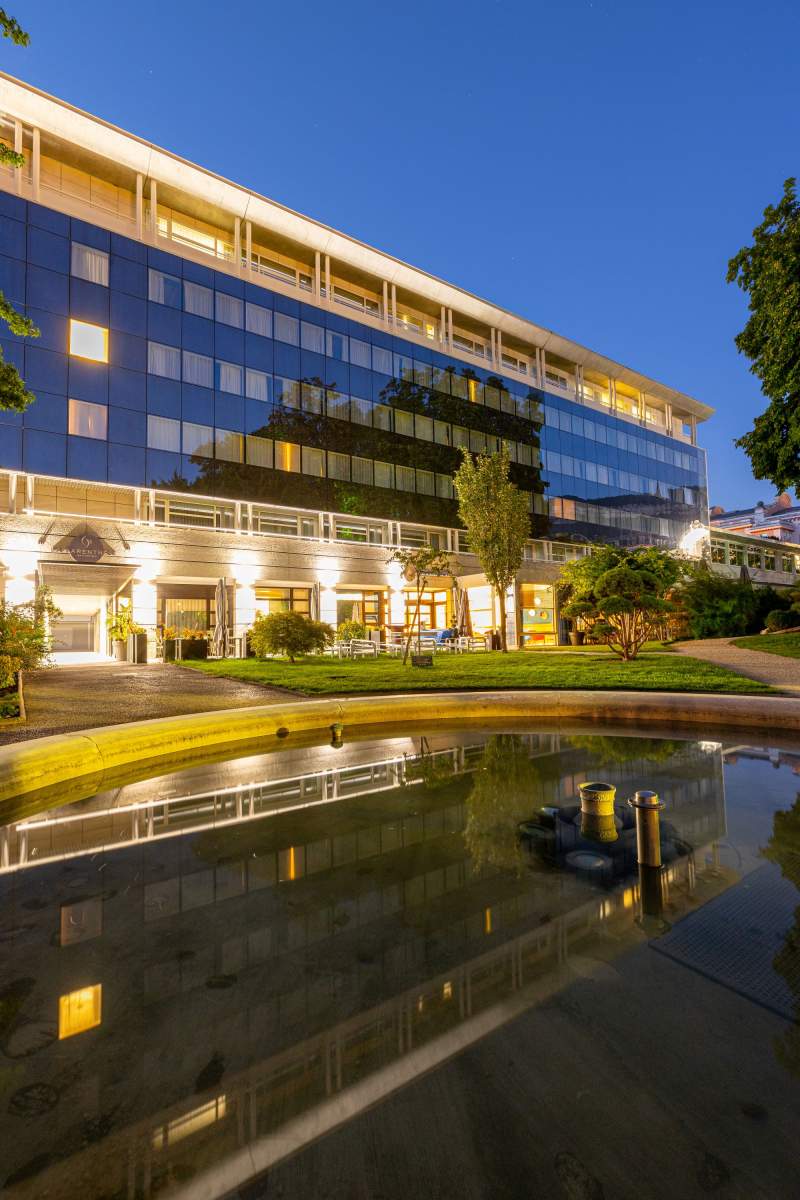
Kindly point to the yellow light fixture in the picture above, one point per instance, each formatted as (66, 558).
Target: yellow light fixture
(88, 341)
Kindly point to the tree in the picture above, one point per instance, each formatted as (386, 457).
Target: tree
(769, 272)
(496, 518)
(620, 594)
(503, 794)
(14, 395)
(418, 566)
(288, 633)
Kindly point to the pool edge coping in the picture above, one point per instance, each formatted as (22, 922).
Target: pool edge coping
(45, 762)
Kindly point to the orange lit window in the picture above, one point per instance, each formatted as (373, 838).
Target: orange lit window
(80, 1010)
(88, 341)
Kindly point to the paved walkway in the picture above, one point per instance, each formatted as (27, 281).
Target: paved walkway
(64, 699)
(782, 673)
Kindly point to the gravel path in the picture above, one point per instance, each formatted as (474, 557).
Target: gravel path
(782, 673)
(64, 699)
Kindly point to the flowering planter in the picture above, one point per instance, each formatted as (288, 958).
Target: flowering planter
(119, 650)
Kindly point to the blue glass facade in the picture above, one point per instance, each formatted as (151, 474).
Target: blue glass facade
(221, 386)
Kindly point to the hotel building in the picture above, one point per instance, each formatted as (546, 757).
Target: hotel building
(228, 390)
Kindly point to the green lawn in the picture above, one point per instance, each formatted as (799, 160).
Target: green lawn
(656, 672)
(787, 645)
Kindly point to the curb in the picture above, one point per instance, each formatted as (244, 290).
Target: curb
(43, 763)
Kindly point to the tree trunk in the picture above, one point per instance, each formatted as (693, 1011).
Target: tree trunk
(501, 600)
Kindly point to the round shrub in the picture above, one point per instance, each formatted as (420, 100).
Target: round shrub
(288, 633)
(779, 619)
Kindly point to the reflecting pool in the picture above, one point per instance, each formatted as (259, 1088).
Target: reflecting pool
(411, 966)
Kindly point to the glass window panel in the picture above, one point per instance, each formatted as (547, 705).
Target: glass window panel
(229, 309)
(423, 373)
(198, 299)
(359, 353)
(491, 396)
(382, 416)
(287, 392)
(441, 433)
(423, 428)
(256, 384)
(362, 470)
(258, 319)
(313, 462)
(403, 422)
(404, 478)
(287, 456)
(229, 377)
(381, 360)
(458, 386)
(338, 465)
(88, 341)
(198, 439)
(312, 398)
(163, 360)
(426, 482)
(287, 329)
(229, 445)
(360, 411)
(460, 436)
(336, 345)
(403, 367)
(444, 487)
(338, 406)
(163, 288)
(80, 1010)
(88, 420)
(259, 451)
(312, 337)
(384, 474)
(441, 380)
(163, 434)
(198, 368)
(477, 440)
(90, 264)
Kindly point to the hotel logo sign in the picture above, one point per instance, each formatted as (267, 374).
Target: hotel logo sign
(86, 547)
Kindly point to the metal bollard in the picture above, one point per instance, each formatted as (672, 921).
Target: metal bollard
(337, 735)
(598, 823)
(647, 806)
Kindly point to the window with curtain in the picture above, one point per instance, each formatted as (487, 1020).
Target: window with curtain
(404, 478)
(381, 360)
(359, 353)
(259, 451)
(287, 457)
(229, 377)
(198, 369)
(338, 406)
(338, 465)
(88, 420)
(384, 475)
(256, 384)
(163, 360)
(90, 264)
(312, 337)
(360, 411)
(404, 422)
(258, 320)
(426, 482)
(198, 439)
(313, 461)
(336, 345)
(229, 309)
(229, 445)
(287, 392)
(382, 416)
(362, 470)
(163, 434)
(287, 329)
(163, 288)
(198, 300)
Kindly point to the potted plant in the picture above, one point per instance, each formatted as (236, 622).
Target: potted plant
(194, 644)
(120, 627)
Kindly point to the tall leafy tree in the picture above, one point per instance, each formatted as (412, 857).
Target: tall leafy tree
(769, 272)
(496, 518)
(14, 395)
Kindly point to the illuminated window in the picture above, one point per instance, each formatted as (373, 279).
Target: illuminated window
(88, 420)
(88, 341)
(80, 1010)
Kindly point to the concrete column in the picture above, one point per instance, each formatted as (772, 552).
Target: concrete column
(317, 274)
(12, 492)
(539, 365)
(394, 304)
(18, 150)
(499, 348)
(36, 177)
(139, 206)
(493, 345)
(385, 302)
(328, 295)
(443, 325)
(153, 209)
(248, 244)
(237, 244)
(450, 327)
(543, 363)
(693, 425)
(612, 394)
(642, 409)
(668, 417)
(151, 516)
(137, 506)
(29, 493)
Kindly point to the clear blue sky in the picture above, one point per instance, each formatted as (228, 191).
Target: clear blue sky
(591, 165)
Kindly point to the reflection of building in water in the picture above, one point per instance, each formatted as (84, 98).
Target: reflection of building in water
(169, 1002)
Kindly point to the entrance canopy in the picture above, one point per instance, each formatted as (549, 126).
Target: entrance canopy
(85, 579)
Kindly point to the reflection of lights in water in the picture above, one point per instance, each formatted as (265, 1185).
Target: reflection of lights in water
(447, 991)
(710, 747)
(487, 921)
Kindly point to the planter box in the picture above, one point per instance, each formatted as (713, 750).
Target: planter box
(119, 650)
(577, 637)
(190, 648)
(137, 648)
